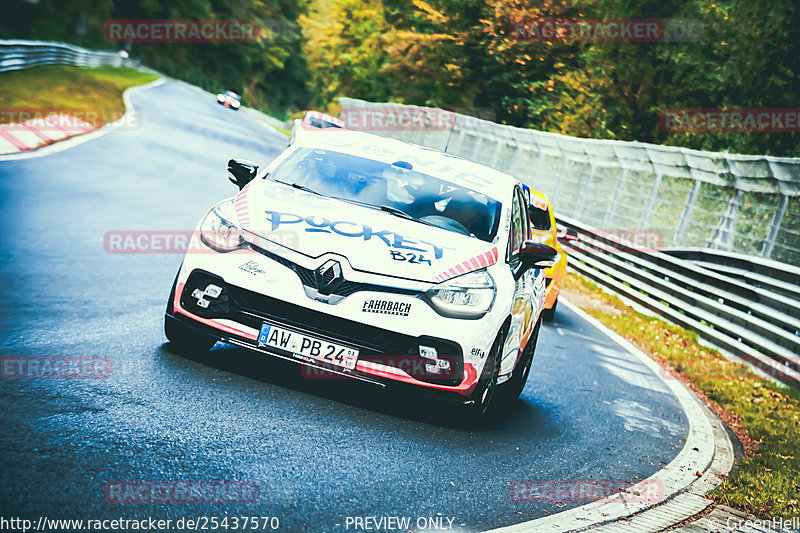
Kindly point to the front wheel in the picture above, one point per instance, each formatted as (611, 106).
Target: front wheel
(511, 389)
(481, 411)
(185, 339)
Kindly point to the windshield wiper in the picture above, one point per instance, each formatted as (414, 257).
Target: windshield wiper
(402, 214)
(398, 212)
(301, 187)
(386, 209)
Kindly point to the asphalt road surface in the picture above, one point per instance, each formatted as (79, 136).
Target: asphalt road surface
(318, 451)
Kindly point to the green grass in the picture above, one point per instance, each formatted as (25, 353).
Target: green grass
(766, 416)
(81, 91)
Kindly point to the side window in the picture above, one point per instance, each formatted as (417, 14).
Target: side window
(539, 214)
(519, 228)
(526, 226)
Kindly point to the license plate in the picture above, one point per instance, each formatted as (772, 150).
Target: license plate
(305, 347)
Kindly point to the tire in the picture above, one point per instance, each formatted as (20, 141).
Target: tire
(511, 389)
(549, 314)
(481, 412)
(184, 338)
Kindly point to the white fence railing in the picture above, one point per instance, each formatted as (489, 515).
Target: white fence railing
(741, 203)
(17, 54)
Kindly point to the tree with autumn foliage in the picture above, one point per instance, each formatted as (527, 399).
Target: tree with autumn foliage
(465, 54)
(270, 72)
(386, 51)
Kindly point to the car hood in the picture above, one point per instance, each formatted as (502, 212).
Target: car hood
(371, 240)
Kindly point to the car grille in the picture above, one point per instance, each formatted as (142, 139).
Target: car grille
(346, 288)
(375, 344)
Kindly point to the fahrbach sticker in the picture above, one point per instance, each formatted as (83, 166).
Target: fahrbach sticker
(386, 307)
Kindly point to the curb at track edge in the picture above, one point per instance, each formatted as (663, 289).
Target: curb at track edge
(708, 451)
(76, 140)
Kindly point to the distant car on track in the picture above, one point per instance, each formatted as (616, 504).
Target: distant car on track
(368, 258)
(544, 230)
(229, 99)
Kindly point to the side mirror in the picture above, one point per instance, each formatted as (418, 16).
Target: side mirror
(241, 172)
(536, 255)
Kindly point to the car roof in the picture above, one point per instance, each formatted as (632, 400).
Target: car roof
(457, 170)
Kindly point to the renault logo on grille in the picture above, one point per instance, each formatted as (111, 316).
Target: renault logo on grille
(329, 276)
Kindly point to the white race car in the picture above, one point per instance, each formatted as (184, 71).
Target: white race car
(315, 121)
(372, 259)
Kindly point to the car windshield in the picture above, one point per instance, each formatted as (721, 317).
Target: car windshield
(540, 218)
(392, 187)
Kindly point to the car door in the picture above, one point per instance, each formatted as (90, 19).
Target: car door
(522, 311)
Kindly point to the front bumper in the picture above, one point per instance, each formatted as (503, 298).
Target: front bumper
(387, 359)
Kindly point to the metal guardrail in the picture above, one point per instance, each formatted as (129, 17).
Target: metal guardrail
(776, 277)
(725, 305)
(738, 203)
(18, 54)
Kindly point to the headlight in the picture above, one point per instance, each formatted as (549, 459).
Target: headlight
(235, 104)
(220, 229)
(467, 296)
